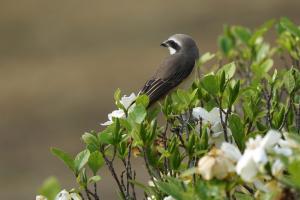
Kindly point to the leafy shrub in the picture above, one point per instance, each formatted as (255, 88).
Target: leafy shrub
(233, 135)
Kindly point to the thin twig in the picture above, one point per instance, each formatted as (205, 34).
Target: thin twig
(113, 173)
(224, 124)
(87, 193)
(95, 192)
(268, 97)
(81, 195)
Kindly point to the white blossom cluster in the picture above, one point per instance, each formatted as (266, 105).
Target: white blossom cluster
(215, 128)
(62, 195)
(126, 101)
(225, 159)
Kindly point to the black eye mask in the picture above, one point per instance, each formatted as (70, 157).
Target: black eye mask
(173, 44)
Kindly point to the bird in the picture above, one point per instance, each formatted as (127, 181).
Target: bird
(174, 70)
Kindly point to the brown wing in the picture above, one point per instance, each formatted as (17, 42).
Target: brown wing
(170, 74)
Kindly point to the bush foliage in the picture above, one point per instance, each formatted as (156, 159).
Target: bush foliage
(234, 134)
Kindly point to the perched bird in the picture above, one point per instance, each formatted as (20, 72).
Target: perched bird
(174, 69)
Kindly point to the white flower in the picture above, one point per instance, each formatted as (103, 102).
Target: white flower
(114, 114)
(219, 163)
(126, 101)
(151, 183)
(151, 198)
(40, 197)
(288, 142)
(215, 126)
(285, 151)
(212, 116)
(169, 198)
(65, 195)
(277, 168)
(231, 151)
(255, 155)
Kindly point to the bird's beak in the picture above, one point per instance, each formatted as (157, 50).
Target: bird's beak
(164, 44)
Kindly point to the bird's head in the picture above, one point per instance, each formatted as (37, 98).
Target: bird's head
(181, 43)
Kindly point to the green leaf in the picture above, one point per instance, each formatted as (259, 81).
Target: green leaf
(203, 145)
(289, 81)
(175, 188)
(106, 137)
(96, 161)
(242, 33)
(80, 160)
(267, 65)
(262, 52)
(183, 96)
(225, 44)
(205, 58)
(210, 83)
(189, 172)
(117, 95)
(143, 100)
(138, 114)
(293, 169)
(241, 196)
(66, 158)
(94, 179)
(117, 133)
(237, 130)
(290, 26)
(234, 93)
(229, 70)
(261, 69)
(260, 32)
(91, 141)
(175, 159)
(122, 148)
(222, 82)
(82, 178)
(50, 188)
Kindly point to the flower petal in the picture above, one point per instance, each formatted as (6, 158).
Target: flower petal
(231, 151)
(117, 114)
(246, 167)
(277, 167)
(260, 156)
(217, 127)
(222, 167)
(40, 197)
(107, 123)
(283, 150)
(199, 112)
(271, 138)
(63, 195)
(169, 198)
(126, 101)
(205, 167)
(75, 196)
(214, 115)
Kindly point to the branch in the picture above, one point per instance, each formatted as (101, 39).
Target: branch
(268, 97)
(223, 123)
(113, 172)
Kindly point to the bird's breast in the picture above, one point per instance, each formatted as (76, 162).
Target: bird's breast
(188, 81)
